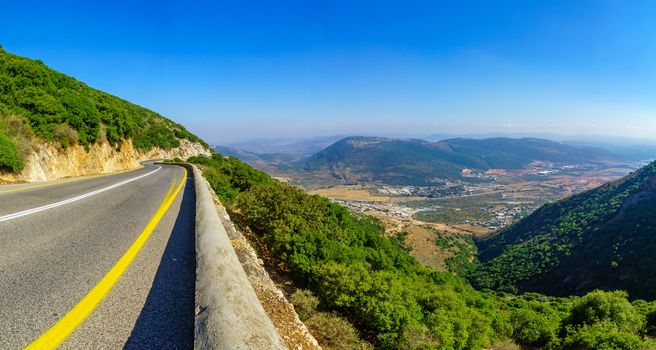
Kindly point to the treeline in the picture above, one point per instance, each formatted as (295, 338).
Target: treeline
(368, 278)
(59, 108)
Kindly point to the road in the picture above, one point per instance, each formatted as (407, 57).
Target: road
(74, 266)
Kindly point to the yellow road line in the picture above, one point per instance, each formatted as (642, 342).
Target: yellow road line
(67, 324)
(65, 181)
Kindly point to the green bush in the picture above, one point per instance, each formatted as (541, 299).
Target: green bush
(533, 329)
(601, 337)
(605, 307)
(229, 176)
(10, 158)
(330, 330)
(305, 303)
(334, 332)
(417, 336)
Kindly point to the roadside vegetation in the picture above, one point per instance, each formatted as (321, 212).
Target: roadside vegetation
(57, 108)
(355, 280)
(10, 158)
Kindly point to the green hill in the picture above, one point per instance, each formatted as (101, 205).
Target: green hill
(39, 103)
(413, 161)
(604, 238)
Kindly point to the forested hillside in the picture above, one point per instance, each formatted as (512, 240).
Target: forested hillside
(351, 274)
(37, 102)
(417, 162)
(603, 238)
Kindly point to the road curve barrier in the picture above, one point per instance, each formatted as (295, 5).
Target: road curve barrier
(228, 313)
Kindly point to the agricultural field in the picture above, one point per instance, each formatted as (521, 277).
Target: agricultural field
(457, 210)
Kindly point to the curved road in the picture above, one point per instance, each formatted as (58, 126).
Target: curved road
(58, 242)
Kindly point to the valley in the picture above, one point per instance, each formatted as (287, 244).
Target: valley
(439, 221)
(441, 215)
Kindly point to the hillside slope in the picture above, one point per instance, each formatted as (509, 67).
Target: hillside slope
(46, 114)
(413, 161)
(603, 238)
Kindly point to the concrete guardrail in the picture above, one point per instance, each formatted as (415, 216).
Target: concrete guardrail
(228, 313)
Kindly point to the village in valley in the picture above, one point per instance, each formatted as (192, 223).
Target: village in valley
(480, 202)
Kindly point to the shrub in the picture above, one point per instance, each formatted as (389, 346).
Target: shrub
(305, 303)
(605, 307)
(533, 329)
(66, 135)
(417, 336)
(10, 158)
(330, 330)
(601, 337)
(335, 332)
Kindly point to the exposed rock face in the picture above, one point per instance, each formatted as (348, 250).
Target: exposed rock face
(48, 162)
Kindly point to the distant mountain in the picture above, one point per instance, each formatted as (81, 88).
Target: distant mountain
(509, 153)
(294, 146)
(629, 148)
(604, 238)
(490, 135)
(414, 161)
(262, 161)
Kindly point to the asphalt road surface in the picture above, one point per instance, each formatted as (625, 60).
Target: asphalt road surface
(62, 243)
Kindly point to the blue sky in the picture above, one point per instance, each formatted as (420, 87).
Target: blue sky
(249, 69)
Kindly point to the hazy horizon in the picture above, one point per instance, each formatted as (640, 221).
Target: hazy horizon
(232, 72)
(630, 140)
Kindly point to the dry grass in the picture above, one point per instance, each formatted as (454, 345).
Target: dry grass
(422, 242)
(20, 133)
(506, 345)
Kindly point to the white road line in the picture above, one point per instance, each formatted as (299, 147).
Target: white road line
(74, 199)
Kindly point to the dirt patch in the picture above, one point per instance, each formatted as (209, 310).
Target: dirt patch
(424, 249)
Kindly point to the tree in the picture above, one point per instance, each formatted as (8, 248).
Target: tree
(533, 329)
(610, 308)
(10, 158)
(601, 336)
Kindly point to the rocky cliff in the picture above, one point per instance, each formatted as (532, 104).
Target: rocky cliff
(48, 162)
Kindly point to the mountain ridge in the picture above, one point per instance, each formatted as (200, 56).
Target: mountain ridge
(416, 161)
